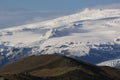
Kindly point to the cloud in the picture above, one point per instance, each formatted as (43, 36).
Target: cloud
(15, 18)
(110, 6)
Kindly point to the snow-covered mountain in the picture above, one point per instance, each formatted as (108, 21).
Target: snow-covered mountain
(90, 35)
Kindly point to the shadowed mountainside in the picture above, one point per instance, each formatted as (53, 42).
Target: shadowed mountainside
(56, 67)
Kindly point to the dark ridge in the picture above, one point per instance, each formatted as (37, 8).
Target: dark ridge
(56, 67)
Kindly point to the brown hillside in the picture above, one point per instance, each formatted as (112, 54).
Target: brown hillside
(56, 67)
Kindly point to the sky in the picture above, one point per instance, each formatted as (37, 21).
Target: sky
(52, 5)
(18, 12)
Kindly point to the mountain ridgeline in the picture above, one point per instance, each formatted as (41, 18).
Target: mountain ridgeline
(56, 67)
(91, 35)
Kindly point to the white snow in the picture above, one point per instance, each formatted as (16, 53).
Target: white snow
(112, 63)
(74, 34)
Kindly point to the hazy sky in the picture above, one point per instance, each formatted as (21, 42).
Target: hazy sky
(18, 12)
(52, 5)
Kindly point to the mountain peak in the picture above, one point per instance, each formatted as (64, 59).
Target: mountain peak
(88, 33)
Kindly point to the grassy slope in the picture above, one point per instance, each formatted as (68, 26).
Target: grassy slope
(56, 67)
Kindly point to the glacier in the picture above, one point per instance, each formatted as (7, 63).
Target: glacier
(91, 35)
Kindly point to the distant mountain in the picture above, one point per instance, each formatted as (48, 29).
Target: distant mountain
(91, 35)
(56, 67)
